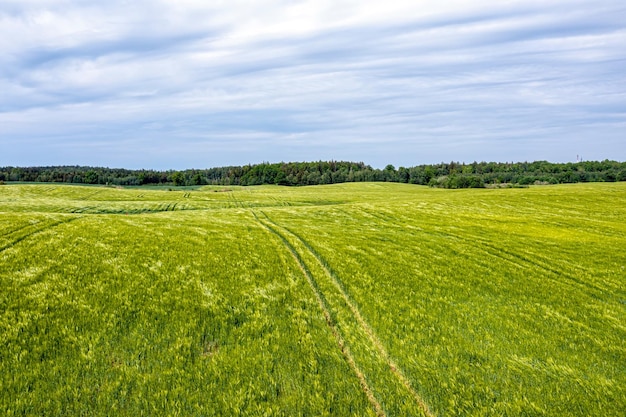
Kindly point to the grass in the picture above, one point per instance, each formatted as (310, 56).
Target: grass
(350, 299)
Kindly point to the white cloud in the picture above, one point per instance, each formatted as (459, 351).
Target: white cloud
(380, 80)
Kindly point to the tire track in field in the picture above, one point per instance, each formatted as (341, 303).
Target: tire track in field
(373, 338)
(517, 259)
(36, 232)
(236, 203)
(381, 365)
(14, 231)
(323, 304)
(89, 195)
(503, 254)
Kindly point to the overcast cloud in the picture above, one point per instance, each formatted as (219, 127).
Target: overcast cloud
(189, 83)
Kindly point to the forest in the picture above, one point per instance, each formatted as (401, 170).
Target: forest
(442, 175)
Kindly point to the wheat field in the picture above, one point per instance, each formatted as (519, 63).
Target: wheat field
(347, 299)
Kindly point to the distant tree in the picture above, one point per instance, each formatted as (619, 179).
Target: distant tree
(91, 177)
(314, 178)
(178, 178)
(390, 174)
(339, 176)
(476, 181)
(403, 175)
(16, 175)
(468, 169)
(281, 179)
(198, 179)
(449, 175)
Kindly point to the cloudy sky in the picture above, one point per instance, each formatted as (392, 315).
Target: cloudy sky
(173, 84)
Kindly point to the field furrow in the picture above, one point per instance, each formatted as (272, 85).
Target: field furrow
(374, 340)
(389, 383)
(26, 232)
(347, 299)
(330, 321)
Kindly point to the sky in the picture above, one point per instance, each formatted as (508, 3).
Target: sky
(178, 84)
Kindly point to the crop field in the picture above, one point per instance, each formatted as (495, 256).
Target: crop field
(364, 299)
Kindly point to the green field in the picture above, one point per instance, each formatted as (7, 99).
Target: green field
(349, 299)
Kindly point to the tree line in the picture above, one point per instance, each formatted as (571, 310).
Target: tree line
(443, 175)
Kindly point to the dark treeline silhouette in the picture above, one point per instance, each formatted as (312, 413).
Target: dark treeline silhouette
(444, 175)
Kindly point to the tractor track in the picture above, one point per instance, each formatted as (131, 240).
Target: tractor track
(14, 231)
(323, 304)
(507, 255)
(372, 339)
(36, 232)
